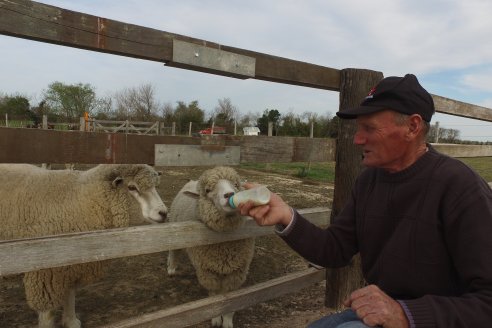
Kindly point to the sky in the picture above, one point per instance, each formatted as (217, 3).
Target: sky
(447, 44)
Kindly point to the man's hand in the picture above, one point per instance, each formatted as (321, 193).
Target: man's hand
(276, 211)
(376, 308)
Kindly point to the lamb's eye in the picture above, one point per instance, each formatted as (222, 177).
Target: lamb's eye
(207, 190)
(132, 188)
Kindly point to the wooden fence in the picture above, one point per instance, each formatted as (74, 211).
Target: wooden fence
(148, 128)
(36, 21)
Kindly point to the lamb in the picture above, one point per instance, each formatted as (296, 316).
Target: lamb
(223, 267)
(37, 202)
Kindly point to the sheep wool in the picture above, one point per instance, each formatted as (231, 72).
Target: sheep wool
(222, 267)
(36, 202)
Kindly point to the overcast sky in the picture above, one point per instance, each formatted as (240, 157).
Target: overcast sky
(447, 44)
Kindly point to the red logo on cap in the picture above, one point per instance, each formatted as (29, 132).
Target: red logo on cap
(371, 93)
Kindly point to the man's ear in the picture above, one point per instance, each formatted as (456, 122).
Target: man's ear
(415, 126)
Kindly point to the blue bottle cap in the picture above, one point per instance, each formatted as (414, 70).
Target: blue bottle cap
(231, 202)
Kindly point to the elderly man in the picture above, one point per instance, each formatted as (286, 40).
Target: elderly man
(421, 221)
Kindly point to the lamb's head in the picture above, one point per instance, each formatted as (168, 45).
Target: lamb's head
(140, 181)
(215, 186)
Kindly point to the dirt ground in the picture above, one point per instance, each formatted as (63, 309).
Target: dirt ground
(140, 284)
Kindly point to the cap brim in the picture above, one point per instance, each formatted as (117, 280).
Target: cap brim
(352, 113)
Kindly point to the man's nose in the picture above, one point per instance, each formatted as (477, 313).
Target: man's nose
(359, 138)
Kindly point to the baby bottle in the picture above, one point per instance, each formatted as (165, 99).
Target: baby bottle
(259, 195)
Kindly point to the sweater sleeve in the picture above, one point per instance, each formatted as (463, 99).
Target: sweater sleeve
(331, 247)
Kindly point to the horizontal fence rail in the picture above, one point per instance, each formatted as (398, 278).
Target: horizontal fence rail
(59, 147)
(198, 311)
(459, 108)
(18, 256)
(36, 21)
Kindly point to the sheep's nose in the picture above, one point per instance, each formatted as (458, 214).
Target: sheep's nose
(228, 195)
(163, 215)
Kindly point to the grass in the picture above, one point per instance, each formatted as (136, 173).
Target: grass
(483, 166)
(325, 172)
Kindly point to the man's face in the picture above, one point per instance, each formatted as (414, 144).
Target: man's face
(383, 142)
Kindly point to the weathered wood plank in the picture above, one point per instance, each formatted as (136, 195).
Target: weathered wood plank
(262, 149)
(38, 253)
(201, 310)
(458, 108)
(454, 150)
(36, 21)
(313, 149)
(20, 145)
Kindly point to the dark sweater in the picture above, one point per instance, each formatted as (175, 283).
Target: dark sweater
(425, 238)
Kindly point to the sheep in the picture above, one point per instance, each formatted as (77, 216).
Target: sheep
(37, 202)
(222, 267)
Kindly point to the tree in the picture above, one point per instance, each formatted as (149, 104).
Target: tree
(443, 135)
(292, 125)
(16, 105)
(70, 101)
(184, 114)
(103, 109)
(326, 126)
(137, 103)
(225, 114)
(269, 115)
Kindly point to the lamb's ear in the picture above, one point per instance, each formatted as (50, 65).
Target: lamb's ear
(191, 189)
(117, 181)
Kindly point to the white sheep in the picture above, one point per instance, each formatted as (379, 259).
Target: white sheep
(222, 267)
(37, 202)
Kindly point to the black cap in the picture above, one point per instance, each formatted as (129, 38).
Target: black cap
(401, 94)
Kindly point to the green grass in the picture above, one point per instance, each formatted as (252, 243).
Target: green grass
(483, 166)
(325, 172)
(322, 172)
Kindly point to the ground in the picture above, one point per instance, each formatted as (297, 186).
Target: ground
(140, 284)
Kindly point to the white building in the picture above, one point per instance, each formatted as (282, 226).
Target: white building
(251, 131)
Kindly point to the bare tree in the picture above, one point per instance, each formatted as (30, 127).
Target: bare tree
(137, 103)
(225, 113)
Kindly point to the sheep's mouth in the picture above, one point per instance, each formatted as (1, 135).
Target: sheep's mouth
(157, 221)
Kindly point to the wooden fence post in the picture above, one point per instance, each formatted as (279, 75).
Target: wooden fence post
(354, 86)
(45, 122)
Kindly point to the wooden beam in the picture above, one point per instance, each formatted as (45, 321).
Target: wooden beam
(201, 310)
(20, 145)
(458, 108)
(36, 21)
(17, 256)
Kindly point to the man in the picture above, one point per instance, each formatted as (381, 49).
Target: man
(421, 221)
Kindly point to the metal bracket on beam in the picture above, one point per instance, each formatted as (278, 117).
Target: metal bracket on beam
(210, 60)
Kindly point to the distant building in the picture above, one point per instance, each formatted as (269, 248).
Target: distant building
(251, 130)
